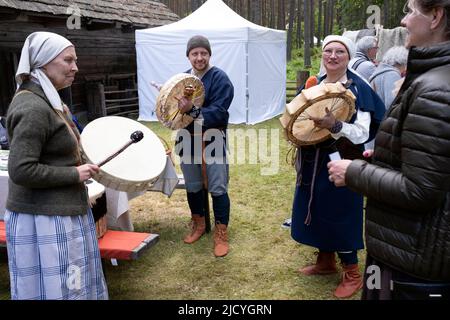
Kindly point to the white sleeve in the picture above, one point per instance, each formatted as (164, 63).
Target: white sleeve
(357, 132)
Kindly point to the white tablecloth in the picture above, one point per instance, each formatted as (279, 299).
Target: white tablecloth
(116, 201)
(3, 191)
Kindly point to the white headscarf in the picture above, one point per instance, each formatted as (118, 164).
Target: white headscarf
(39, 49)
(347, 42)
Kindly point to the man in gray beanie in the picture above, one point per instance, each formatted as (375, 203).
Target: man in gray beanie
(364, 60)
(198, 42)
(210, 174)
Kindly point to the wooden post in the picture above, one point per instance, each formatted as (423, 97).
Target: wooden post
(302, 76)
(207, 211)
(66, 97)
(96, 100)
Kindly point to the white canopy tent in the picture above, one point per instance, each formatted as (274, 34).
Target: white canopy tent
(254, 57)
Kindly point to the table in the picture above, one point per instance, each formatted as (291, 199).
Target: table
(116, 201)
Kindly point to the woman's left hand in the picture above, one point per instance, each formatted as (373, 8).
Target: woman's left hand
(337, 170)
(326, 122)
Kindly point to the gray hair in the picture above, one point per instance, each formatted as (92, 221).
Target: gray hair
(396, 56)
(365, 43)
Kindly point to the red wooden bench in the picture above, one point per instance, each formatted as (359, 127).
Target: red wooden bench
(119, 245)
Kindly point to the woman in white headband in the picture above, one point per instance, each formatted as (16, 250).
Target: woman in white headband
(52, 245)
(323, 216)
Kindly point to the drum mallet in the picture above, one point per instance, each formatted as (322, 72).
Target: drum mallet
(134, 138)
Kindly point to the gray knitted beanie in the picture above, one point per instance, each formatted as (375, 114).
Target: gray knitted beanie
(198, 42)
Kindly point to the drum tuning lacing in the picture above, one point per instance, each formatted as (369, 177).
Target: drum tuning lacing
(291, 155)
(167, 147)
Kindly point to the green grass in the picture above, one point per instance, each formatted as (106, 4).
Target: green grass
(297, 63)
(263, 259)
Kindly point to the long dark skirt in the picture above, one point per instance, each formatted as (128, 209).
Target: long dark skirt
(336, 214)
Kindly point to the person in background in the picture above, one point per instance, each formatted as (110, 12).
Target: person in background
(408, 182)
(50, 231)
(323, 216)
(391, 69)
(4, 145)
(211, 118)
(364, 62)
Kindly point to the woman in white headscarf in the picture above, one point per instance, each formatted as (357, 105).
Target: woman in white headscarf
(52, 245)
(323, 216)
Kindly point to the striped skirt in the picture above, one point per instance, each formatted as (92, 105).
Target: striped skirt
(54, 257)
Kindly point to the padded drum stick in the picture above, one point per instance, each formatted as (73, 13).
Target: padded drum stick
(134, 138)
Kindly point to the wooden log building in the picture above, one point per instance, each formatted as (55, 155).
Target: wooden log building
(103, 34)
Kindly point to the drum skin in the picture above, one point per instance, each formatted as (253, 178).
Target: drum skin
(312, 102)
(135, 169)
(167, 102)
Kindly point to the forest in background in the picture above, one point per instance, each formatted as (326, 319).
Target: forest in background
(305, 20)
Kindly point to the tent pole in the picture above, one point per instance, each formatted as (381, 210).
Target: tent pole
(247, 93)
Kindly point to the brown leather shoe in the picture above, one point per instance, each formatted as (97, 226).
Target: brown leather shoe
(325, 264)
(220, 240)
(352, 281)
(197, 229)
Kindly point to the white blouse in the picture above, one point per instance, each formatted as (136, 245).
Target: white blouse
(357, 132)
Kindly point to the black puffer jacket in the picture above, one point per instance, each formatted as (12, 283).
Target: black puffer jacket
(408, 184)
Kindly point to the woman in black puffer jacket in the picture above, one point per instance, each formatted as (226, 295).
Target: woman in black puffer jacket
(408, 182)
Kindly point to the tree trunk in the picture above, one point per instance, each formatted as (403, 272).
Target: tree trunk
(312, 21)
(386, 11)
(291, 28)
(272, 14)
(264, 13)
(281, 16)
(299, 23)
(326, 32)
(255, 7)
(332, 16)
(319, 24)
(307, 45)
(240, 7)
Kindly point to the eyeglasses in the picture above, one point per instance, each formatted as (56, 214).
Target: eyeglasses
(338, 53)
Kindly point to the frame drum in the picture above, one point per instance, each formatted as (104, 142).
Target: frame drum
(135, 169)
(173, 90)
(299, 129)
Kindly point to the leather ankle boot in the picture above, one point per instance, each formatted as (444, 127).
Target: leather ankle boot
(351, 282)
(325, 264)
(198, 228)
(220, 240)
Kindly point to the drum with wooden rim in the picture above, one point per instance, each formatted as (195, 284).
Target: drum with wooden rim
(312, 102)
(135, 169)
(180, 85)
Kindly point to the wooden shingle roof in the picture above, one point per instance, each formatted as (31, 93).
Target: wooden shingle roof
(136, 12)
